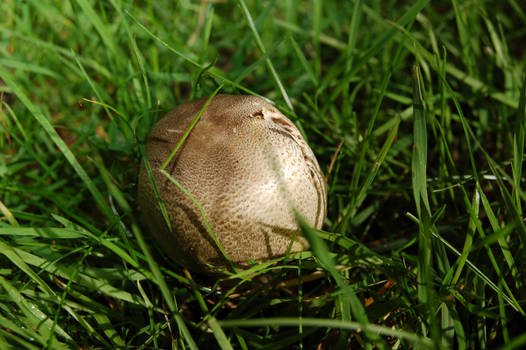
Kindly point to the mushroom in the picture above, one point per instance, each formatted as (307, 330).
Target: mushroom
(246, 167)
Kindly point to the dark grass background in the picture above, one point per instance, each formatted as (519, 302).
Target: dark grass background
(415, 111)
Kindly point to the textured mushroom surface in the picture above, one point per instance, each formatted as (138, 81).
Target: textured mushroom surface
(248, 167)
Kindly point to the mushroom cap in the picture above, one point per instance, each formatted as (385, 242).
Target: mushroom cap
(247, 166)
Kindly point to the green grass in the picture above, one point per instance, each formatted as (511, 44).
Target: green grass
(415, 111)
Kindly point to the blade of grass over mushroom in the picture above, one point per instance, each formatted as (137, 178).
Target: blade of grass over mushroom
(156, 193)
(261, 47)
(203, 216)
(330, 323)
(46, 125)
(187, 132)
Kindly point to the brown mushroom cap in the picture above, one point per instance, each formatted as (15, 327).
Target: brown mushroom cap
(248, 167)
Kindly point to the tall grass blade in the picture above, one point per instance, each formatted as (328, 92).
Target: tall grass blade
(518, 148)
(418, 341)
(468, 242)
(350, 302)
(261, 47)
(220, 336)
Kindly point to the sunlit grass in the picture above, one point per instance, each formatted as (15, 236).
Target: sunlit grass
(415, 112)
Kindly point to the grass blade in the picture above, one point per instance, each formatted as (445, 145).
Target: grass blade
(418, 341)
(261, 47)
(221, 338)
(102, 29)
(46, 125)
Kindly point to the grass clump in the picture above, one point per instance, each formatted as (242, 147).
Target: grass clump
(416, 113)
